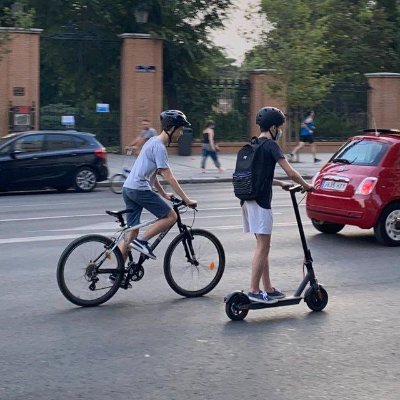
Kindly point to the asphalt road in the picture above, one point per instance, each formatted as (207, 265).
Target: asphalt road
(148, 343)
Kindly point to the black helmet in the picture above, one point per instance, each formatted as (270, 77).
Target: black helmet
(269, 116)
(173, 118)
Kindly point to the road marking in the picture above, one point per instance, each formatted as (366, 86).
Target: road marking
(107, 233)
(144, 213)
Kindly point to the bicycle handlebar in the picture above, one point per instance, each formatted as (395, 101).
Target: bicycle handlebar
(179, 202)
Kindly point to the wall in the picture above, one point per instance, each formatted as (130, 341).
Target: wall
(19, 67)
(384, 100)
(141, 92)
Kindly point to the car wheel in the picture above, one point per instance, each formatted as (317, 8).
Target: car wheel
(327, 227)
(387, 229)
(85, 180)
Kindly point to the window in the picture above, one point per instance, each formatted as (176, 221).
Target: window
(363, 152)
(29, 144)
(59, 142)
(79, 142)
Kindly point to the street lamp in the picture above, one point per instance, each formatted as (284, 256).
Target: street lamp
(141, 15)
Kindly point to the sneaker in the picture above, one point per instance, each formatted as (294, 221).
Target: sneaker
(290, 157)
(261, 297)
(113, 277)
(276, 294)
(316, 160)
(143, 247)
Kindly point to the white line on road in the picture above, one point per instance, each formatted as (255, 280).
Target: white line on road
(106, 233)
(103, 214)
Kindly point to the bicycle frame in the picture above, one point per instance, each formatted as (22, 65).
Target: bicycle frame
(132, 266)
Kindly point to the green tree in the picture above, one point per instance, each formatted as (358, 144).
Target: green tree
(83, 67)
(295, 48)
(14, 14)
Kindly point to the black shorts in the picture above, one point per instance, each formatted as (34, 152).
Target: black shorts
(307, 139)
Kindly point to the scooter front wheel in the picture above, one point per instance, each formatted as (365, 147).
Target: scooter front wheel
(316, 299)
(232, 307)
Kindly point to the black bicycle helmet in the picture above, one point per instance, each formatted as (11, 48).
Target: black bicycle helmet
(268, 117)
(172, 118)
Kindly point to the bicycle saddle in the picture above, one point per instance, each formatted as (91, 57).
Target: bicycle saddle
(118, 214)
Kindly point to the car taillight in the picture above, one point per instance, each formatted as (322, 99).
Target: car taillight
(101, 153)
(367, 186)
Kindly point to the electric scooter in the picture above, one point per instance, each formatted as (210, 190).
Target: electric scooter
(238, 305)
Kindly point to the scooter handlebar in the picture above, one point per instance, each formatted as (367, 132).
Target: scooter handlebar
(298, 188)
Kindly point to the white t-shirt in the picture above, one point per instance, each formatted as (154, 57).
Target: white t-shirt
(152, 156)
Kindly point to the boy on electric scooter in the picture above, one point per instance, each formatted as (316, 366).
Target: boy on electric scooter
(257, 214)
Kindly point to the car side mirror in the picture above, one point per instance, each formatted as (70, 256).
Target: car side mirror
(14, 153)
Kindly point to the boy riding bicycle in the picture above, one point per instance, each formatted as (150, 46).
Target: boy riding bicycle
(138, 190)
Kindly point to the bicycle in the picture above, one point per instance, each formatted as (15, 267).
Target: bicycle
(117, 180)
(93, 258)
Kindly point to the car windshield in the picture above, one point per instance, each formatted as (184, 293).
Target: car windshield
(361, 152)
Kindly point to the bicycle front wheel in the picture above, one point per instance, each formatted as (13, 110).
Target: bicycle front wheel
(194, 263)
(117, 182)
(84, 269)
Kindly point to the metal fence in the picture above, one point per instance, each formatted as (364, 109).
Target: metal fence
(90, 64)
(343, 113)
(225, 101)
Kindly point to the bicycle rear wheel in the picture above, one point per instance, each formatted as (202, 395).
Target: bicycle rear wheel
(84, 268)
(194, 265)
(117, 182)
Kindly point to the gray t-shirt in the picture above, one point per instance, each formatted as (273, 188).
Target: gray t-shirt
(152, 156)
(148, 133)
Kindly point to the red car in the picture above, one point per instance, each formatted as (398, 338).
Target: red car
(360, 185)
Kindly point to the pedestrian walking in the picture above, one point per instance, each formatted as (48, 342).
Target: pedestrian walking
(306, 136)
(209, 147)
(145, 134)
(257, 213)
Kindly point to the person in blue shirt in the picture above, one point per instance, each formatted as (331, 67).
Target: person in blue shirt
(306, 136)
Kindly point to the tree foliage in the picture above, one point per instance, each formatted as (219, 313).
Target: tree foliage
(14, 14)
(313, 44)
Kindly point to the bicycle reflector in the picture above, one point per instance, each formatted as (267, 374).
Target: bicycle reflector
(212, 265)
(367, 186)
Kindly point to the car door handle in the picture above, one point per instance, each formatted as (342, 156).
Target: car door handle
(35, 158)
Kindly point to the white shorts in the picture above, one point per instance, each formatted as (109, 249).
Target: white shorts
(256, 219)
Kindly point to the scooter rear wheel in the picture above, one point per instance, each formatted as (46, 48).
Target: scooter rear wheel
(316, 299)
(232, 307)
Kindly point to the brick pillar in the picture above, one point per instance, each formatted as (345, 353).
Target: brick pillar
(261, 96)
(19, 73)
(141, 83)
(384, 100)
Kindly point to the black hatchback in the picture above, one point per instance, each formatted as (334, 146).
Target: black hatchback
(56, 159)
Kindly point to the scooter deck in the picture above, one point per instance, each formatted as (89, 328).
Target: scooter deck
(286, 301)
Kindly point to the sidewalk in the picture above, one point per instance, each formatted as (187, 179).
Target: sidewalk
(187, 168)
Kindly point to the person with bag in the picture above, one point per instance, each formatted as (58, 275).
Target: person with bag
(209, 147)
(252, 181)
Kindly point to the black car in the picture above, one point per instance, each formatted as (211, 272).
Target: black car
(56, 159)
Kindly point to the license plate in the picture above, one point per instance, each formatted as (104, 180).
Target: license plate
(332, 185)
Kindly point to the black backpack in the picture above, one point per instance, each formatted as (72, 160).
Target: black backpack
(248, 176)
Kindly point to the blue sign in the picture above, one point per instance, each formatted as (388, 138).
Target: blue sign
(68, 120)
(102, 108)
(145, 68)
